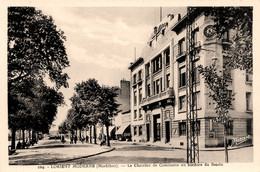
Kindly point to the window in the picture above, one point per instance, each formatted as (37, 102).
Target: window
(167, 80)
(226, 36)
(182, 77)
(196, 75)
(147, 68)
(182, 128)
(249, 77)
(140, 130)
(248, 101)
(195, 34)
(181, 47)
(135, 130)
(140, 114)
(157, 63)
(135, 98)
(167, 56)
(182, 103)
(148, 90)
(140, 75)
(140, 95)
(229, 128)
(211, 125)
(135, 114)
(196, 100)
(157, 86)
(161, 84)
(249, 127)
(134, 79)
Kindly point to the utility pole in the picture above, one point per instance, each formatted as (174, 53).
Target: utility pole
(191, 102)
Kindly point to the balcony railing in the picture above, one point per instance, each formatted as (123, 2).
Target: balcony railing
(169, 93)
(180, 54)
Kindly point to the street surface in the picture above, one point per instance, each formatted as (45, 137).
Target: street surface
(48, 152)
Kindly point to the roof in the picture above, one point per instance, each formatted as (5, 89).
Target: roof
(182, 22)
(136, 63)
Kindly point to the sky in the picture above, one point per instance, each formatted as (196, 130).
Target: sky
(101, 42)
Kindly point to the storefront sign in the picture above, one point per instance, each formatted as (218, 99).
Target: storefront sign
(238, 141)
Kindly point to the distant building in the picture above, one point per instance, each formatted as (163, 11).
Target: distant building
(158, 82)
(121, 122)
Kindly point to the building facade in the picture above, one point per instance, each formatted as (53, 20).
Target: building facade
(123, 119)
(158, 86)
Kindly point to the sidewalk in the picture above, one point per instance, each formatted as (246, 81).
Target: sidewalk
(167, 145)
(55, 152)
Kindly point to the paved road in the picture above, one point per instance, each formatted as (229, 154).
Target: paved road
(127, 153)
(54, 152)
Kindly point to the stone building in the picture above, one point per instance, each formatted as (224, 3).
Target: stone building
(158, 86)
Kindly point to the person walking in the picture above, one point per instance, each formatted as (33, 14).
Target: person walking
(75, 139)
(71, 139)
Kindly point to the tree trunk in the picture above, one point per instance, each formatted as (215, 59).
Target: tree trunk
(76, 134)
(30, 135)
(108, 138)
(95, 135)
(13, 139)
(225, 143)
(20, 135)
(34, 136)
(80, 135)
(86, 135)
(23, 139)
(90, 134)
(37, 136)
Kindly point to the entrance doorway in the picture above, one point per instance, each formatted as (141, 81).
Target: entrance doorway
(157, 128)
(167, 131)
(147, 132)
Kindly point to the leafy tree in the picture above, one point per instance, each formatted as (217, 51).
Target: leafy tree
(107, 107)
(216, 81)
(63, 127)
(238, 19)
(88, 91)
(35, 48)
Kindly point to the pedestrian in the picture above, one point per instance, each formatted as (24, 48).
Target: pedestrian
(82, 139)
(63, 139)
(86, 139)
(103, 140)
(75, 139)
(71, 139)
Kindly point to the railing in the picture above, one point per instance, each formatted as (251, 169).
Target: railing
(169, 93)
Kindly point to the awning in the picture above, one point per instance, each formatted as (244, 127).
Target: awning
(111, 128)
(122, 129)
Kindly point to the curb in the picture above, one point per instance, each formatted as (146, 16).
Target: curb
(81, 157)
(203, 149)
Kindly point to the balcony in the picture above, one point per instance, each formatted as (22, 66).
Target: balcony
(180, 55)
(168, 94)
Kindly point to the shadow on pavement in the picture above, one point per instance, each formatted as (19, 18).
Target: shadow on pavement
(60, 146)
(128, 160)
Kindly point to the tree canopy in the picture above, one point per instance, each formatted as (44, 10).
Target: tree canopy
(35, 50)
(35, 47)
(92, 104)
(239, 20)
